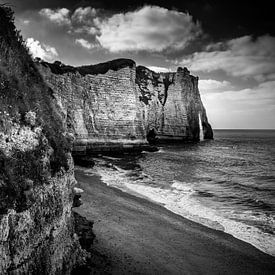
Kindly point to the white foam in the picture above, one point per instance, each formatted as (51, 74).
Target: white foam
(111, 158)
(179, 199)
(181, 202)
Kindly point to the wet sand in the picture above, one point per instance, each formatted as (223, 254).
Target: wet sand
(136, 236)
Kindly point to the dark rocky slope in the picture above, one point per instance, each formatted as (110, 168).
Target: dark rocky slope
(36, 167)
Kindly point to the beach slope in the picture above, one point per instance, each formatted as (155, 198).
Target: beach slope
(136, 236)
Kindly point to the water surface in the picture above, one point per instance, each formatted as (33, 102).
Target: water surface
(227, 184)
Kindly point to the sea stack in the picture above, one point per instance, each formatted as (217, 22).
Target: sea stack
(171, 105)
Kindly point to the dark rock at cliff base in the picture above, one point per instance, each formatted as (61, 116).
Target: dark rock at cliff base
(94, 262)
(207, 131)
(84, 161)
(84, 230)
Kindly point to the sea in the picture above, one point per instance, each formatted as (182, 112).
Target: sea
(227, 184)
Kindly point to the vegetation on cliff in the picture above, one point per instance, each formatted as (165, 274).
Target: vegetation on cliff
(36, 168)
(59, 68)
(30, 123)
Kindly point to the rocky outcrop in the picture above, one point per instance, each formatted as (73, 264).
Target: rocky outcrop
(36, 167)
(115, 106)
(171, 105)
(100, 105)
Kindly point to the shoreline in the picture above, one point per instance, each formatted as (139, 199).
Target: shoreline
(187, 207)
(138, 236)
(238, 230)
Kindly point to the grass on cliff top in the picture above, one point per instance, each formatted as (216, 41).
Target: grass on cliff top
(101, 68)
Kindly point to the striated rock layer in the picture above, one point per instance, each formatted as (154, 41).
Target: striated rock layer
(116, 106)
(99, 104)
(172, 108)
(36, 168)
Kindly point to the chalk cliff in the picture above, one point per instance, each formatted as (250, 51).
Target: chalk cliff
(99, 104)
(36, 167)
(172, 108)
(118, 106)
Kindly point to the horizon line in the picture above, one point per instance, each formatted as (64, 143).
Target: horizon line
(246, 129)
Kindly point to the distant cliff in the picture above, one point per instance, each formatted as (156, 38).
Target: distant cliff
(172, 108)
(116, 106)
(36, 167)
(99, 104)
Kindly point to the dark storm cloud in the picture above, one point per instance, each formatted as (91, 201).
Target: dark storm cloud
(221, 19)
(25, 5)
(150, 28)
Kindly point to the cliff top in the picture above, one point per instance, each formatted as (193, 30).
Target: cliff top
(141, 69)
(59, 68)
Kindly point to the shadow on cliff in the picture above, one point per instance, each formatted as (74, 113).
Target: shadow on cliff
(23, 93)
(36, 167)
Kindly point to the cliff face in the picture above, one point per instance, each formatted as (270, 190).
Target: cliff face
(36, 168)
(116, 106)
(171, 105)
(99, 103)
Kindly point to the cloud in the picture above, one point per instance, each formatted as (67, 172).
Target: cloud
(158, 69)
(79, 21)
(83, 21)
(150, 28)
(246, 108)
(213, 86)
(90, 30)
(84, 43)
(241, 57)
(58, 16)
(84, 15)
(41, 50)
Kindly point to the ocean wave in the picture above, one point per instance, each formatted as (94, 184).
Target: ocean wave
(160, 151)
(179, 197)
(183, 203)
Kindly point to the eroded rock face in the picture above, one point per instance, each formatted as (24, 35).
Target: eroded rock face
(116, 106)
(36, 167)
(171, 105)
(100, 104)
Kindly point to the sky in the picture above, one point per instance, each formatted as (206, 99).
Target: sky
(229, 45)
